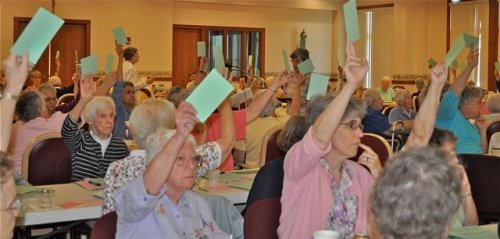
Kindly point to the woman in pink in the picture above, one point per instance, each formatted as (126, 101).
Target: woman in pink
(322, 189)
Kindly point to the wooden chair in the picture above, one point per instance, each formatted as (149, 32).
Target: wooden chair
(105, 226)
(269, 146)
(143, 94)
(416, 105)
(492, 128)
(262, 219)
(387, 110)
(66, 98)
(47, 160)
(483, 173)
(378, 144)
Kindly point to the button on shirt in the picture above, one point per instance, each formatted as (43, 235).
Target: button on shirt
(141, 215)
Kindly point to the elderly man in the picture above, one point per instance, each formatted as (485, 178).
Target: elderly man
(386, 90)
(460, 104)
(404, 108)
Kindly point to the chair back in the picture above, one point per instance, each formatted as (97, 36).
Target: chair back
(398, 87)
(416, 106)
(66, 98)
(387, 110)
(143, 94)
(47, 160)
(269, 146)
(262, 219)
(492, 128)
(483, 173)
(105, 226)
(378, 144)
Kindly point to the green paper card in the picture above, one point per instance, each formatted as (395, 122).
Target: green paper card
(306, 66)
(454, 50)
(89, 65)
(209, 94)
(431, 62)
(285, 60)
(37, 35)
(57, 54)
(23, 189)
(470, 40)
(120, 36)
(109, 63)
(454, 64)
(250, 60)
(219, 59)
(497, 66)
(351, 20)
(201, 48)
(318, 85)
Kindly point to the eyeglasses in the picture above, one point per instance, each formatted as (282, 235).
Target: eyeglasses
(14, 205)
(295, 60)
(182, 161)
(353, 124)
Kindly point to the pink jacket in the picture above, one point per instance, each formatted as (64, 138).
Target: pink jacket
(307, 198)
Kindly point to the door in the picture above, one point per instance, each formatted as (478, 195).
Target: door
(185, 56)
(73, 36)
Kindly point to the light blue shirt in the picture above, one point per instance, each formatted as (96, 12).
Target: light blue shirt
(141, 215)
(122, 113)
(450, 118)
(399, 113)
(387, 95)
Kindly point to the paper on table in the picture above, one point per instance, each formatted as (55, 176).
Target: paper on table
(109, 63)
(37, 35)
(318, 85)
(246, 185)
(285, 60)
(89, 65)
(90, 185)
(351, 20)
(472, 232)
(306, 66)
(497, 66)
(219, 60)
(120, 36)
(201, 48)
(209, 94)
(23, 189)
(431, 62)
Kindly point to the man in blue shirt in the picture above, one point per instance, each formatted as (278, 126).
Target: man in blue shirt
(460, 104)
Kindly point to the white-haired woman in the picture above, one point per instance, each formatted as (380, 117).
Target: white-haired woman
(160, 204)
(93, 150)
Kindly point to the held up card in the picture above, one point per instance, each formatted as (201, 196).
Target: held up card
(201, 48)
(318, 85)
(306, 66)
(89, 65)
(351, 20)
(120, 36)
(285, 60)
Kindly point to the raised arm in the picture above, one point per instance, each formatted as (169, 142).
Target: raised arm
(86, 94)
(355, 71)
(201, 70)
(258, 104)
(16, 73)
(461, 81)
(423, 124)
(296, 98)
(159, 169)
(111, 78)
(227, 138)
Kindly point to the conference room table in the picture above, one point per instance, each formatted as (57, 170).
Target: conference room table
(71, 205)
(488, 231)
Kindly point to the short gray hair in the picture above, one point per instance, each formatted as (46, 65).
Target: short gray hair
(45, 87)
(469, 93)
(370, 95)
(301, 53)
(493, 103)
(156, 141)
(419, 83)
(416, 195)
(148, 116)
(29, 105)
(97, 104)
(400, 95)
(55, 81)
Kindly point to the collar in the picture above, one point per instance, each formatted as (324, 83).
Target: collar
(98, 139)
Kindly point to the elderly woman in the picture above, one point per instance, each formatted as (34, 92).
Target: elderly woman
(493, 105)
(404, 108)
(9, 203)
(322, 189)
(421, 187)
(374, 121)
(160, 204)
(32, 122)
(385, 89)
(93, 150)
(160, 114)
(467, 213)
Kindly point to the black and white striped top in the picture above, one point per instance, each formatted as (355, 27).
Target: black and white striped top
(86, 156)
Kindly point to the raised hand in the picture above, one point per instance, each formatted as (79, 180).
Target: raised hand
(203, 63)
(119, 49)
(355, 68)
(86, 88)
(185, 118)
(439, 74)
(473, 57)
(281, 80)
(16, 72)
